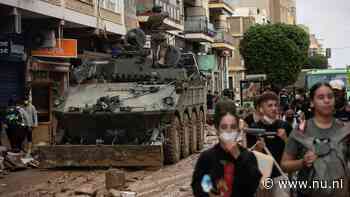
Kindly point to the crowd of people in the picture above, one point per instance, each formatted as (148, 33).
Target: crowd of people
(309, 140)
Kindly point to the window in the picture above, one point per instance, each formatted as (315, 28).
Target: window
(230, 83)
(113, 5)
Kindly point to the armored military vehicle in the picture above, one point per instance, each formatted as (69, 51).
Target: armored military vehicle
(140, 107)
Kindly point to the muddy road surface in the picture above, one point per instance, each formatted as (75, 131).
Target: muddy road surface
(170, 181)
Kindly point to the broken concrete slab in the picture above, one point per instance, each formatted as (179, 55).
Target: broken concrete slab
(117, 193)
(115, 179)
(114, 193)
(87, 189)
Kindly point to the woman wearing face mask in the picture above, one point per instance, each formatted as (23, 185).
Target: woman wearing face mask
(227, 169)
(319, 148)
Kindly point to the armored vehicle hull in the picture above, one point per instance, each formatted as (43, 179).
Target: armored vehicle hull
(141, 107)
(148, 125)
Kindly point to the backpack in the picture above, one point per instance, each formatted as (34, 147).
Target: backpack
(331, 163)
(13, 117)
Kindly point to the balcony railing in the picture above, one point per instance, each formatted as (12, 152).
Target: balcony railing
(175, 11)
(229, 3)
(224, 37)
(211, 28)
(199, 24)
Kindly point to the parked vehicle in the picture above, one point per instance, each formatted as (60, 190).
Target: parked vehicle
(136, 109)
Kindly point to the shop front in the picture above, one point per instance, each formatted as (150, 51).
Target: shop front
(12, 68)
(49, 79)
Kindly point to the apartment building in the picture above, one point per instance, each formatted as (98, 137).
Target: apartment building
(283, 11)
(316, 47)
(219, 11)
(199, 34)
(277, 11)
(239, 23)
(248, 13)
(197, 26)
(261, 7)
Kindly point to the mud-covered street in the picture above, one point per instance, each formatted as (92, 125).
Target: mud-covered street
(171, 180)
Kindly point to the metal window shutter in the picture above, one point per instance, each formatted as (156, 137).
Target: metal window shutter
(11, 81)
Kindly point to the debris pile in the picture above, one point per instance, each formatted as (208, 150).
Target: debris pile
(11, 161)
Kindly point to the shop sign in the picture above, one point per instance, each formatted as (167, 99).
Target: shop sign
(11, 47)
(65, 48)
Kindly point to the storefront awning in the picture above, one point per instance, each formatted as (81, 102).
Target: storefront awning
(53, 66)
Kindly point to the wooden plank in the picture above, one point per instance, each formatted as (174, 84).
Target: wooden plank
(100, 156)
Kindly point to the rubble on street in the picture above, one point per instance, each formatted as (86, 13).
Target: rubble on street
(171, 180)
(10, 161)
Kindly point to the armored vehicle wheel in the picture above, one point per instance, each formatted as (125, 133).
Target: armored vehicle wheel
(200, 131)
(185, 137)
(193, 133)
(172, 147)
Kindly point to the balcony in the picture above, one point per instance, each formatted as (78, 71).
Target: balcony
(226, 5)
(199, 29)
(175, 21)
(240, 24)
(223, 40)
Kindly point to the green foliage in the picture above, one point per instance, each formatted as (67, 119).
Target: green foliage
(317, 61)
(277, 50)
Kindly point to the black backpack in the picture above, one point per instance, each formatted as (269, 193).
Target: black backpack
(13, 117)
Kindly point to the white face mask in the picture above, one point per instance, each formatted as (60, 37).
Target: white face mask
(230, 136)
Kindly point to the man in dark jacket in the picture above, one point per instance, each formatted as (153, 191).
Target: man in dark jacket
(268, 103)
